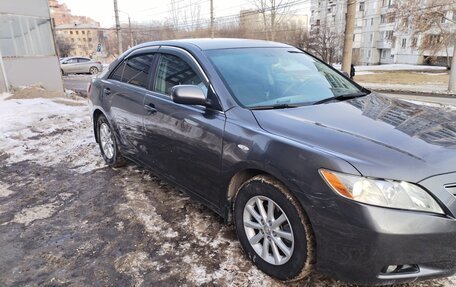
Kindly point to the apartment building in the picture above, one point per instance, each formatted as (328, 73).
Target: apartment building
(81, 35)
(376, 39)
(84, 38)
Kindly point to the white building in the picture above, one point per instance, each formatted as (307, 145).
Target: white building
(27, 50)
(376, 39)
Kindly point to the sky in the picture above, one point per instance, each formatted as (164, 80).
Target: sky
(150, 10)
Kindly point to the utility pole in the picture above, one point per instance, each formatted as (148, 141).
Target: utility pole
(119, 34)
(348, 38)
(131, 34)
(452, 80)
(212, 19)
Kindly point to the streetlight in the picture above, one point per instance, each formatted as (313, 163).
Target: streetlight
(129, 28)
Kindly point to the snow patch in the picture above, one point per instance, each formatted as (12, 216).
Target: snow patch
(4, 191)
(28, 215)
(65, 122)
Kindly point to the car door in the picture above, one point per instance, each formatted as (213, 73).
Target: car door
(184, 142)
(82, 66)
(123, 97)
(70, 65)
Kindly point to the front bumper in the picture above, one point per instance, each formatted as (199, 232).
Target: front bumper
(357, 242)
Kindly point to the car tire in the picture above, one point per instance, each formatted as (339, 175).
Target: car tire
(108, 143)
(292, 240)
(93, 70)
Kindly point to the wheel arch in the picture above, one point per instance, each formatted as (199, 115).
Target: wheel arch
(241, 177)
(96, 114)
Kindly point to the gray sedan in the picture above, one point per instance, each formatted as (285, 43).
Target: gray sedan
(314, 171)
(80, 65)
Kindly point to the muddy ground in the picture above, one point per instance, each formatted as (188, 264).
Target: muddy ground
(68, 220)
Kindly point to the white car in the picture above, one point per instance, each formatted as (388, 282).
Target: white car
(80, 65)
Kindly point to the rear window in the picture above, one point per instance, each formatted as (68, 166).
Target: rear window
(117, 75)
(134, 71)
(137, 70)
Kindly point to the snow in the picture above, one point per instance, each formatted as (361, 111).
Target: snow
(24, 121)
(4, 96)
(395, 67)
(423, 88)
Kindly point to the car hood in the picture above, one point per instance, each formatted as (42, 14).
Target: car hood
(379, 135)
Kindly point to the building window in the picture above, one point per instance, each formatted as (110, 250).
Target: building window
(382, 19)
(361, 6)
(372, 21)
(77, 32)
(404, 43)
(83, 32)
(388, 35)
(84, 39)
(27, 36)
(71, 32)
(318, 22)
(414, 42)
(89, 39)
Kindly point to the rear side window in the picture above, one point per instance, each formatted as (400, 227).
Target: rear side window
(173, 71)
(83, 60)
(137, 70)
(117, 75)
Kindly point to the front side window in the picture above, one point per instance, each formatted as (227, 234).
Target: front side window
(137, 70)
(173, 71)
(275, 76)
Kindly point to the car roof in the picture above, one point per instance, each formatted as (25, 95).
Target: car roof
(216, 43)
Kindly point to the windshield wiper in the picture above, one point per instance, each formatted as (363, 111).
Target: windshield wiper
(341, 98)
(277, 106)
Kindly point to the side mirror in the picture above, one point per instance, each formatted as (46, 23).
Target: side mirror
(64, 62)
(188, 95)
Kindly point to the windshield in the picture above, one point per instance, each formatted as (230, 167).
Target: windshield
(282, 77)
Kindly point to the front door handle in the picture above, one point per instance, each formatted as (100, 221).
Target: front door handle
(107, 91)
(150, 108)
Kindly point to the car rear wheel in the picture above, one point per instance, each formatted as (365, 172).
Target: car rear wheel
(273, 229)
(107, 143)
(93, 70)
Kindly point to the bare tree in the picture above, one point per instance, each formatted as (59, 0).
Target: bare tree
(325, 43)
(184, 15)
(64, 46)
(294, 33)
(432, 24)
(273, 12)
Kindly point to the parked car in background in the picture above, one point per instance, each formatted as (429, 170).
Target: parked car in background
(80, 65)
(316, 171)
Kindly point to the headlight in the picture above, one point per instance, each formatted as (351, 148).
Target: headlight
(387, 193)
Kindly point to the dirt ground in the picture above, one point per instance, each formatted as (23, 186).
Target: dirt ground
(68, 220)
(403, 77)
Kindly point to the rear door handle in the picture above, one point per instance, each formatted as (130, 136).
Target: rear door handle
(150, 108)
(107, 91)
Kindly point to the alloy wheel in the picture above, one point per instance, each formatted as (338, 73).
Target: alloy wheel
(268, 230)
(106, 140)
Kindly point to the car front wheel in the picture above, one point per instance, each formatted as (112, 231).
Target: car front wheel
(273, 229)
(107, 143)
